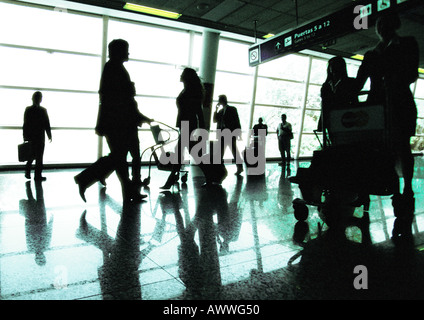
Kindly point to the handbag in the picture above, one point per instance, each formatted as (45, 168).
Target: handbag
(290, 133)
(25, 152)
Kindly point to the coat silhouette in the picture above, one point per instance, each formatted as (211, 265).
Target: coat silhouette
(227, 118)
(36, 126)
(189, 104)
(117, 121)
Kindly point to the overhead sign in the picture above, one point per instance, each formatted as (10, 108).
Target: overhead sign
(326, 28)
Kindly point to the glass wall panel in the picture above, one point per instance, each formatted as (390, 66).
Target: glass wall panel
(47, 28)
(419, 90)
(197, 50)
(310, 121)
(69, 81)
(232, 56)
(159, 109)
(65, 109)
(272, 117)
(417, 144)
(420, 107)
(271, 146)
(9, 140)
(314, 97)
(40, 69)
(279, 92)
(309, 144)
(71, 146)
(67, 146)
(318, 71)
(420, 127)
(235, 86)
(12, 106)
(292, 67)
(152, 43)
(155, 79)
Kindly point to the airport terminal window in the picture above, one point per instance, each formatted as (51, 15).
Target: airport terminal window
(318, 71)
(419, 90)
(65, 64)
(291, 67)
(271, 117)
(237, 87)
(62, 107)
(40, 69)
(417, 142)
(232, 57)
(152, 79)
(152, 43)
(279, 92)
(37, 27)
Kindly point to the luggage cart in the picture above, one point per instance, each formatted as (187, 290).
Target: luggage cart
(162, 137)
(358, 160)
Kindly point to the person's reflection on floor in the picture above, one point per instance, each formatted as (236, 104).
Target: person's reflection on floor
(190, 269)
(229, 217)
(38, 230)
(118, 276)
(285, 192)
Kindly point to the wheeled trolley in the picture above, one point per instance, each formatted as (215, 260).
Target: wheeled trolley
(162, 135)
(358, 162)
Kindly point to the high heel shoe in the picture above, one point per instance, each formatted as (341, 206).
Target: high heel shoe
(172, 179)
(81, 188)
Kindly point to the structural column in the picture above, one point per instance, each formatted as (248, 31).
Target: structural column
(208, 69)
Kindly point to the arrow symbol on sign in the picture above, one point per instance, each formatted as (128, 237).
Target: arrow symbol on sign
(278, 45)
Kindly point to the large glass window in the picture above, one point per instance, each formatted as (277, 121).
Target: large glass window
(42, 69)
(280, 89)
(234, 78)
(59, 55)
(152, 43)
(417, 142)
(64, 63)
(36, 27)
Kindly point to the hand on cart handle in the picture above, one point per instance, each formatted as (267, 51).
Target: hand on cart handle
(144, 119)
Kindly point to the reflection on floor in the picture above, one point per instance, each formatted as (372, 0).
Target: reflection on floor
(238, 241)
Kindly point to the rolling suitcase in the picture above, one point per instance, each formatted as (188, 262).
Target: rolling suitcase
(98, 171)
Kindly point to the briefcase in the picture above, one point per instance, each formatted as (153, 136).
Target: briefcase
(25, 151)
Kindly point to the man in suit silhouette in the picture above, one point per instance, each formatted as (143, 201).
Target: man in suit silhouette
(117, 121)
(36, 126)
(227, 118)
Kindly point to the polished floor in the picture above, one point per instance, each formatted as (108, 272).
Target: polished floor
(238, 241)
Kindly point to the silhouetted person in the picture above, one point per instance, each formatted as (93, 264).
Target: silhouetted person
(36, 126)
(190, 268)
(256, 137)
(189, 103)
(227, 118)
(258, 126)
(37, 230)
(337, 92)
(117, 121)
(284, 134)
(394, 67)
